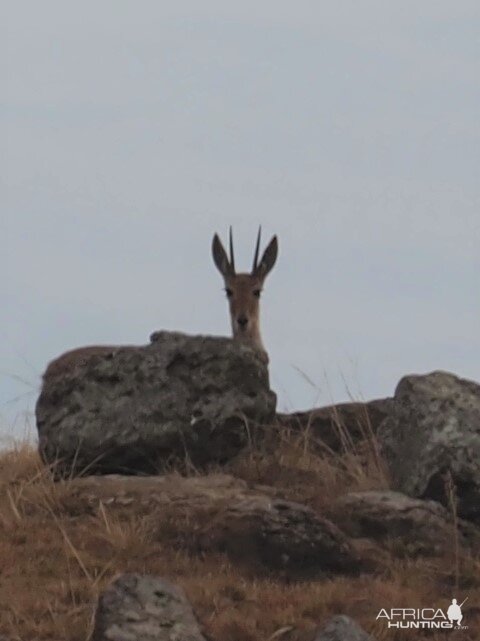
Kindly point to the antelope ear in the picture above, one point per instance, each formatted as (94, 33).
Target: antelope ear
(220, 257)
(269, 257)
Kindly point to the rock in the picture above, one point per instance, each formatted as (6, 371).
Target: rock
(337, 427)
(147, 493)
(433, 431)
(220, 513)
(342, 628)
(138, 409)
(78, 358)
(282, 536)
(144, 608)
(422, 527)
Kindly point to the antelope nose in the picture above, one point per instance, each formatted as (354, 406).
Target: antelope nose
(242, 321)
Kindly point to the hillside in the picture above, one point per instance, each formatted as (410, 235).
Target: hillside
(57, 555)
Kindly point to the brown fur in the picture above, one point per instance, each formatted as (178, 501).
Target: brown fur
(244, 303)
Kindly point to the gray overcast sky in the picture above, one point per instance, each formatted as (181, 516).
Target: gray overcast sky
(132, 131)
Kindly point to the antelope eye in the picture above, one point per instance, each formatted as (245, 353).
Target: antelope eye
(228, 292)
(257, 292)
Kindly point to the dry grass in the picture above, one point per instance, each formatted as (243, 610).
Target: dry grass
(55, 558)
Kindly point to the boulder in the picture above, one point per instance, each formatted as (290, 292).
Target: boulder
(183, 398)
(338, 427)
(144, 608)
(282, 536)
(421, 527)
(432, 435)
(222, 514)
(342, 628)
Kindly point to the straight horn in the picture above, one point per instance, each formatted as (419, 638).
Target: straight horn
(257, 249)
(232, 258)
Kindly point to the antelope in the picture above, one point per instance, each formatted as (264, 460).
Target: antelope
(243, 290)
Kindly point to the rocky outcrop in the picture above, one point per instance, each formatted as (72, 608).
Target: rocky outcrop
(342, 628)
(433, 434)
(338, 427)
(138, 409)
(409, 526)
(220, 513)
(144, 608)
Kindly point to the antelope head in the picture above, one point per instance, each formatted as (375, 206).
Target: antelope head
(243, 290)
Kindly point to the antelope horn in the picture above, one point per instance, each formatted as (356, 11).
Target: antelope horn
(232, 257)
(257, 249)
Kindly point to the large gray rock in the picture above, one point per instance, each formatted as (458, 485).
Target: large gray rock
(342, 628)
(144, 608)
(408, 526)
(138, 409)
(433, 431)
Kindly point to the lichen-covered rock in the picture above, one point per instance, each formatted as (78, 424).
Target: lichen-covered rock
(337, 427)
(433, 432)
(420, 526)
(342, 628)
(137, 409)
(144, 608)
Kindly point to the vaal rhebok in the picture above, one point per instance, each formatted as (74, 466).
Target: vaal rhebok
(244, 289)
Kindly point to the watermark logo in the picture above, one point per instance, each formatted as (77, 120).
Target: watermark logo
(425, 618)
(454, 612)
